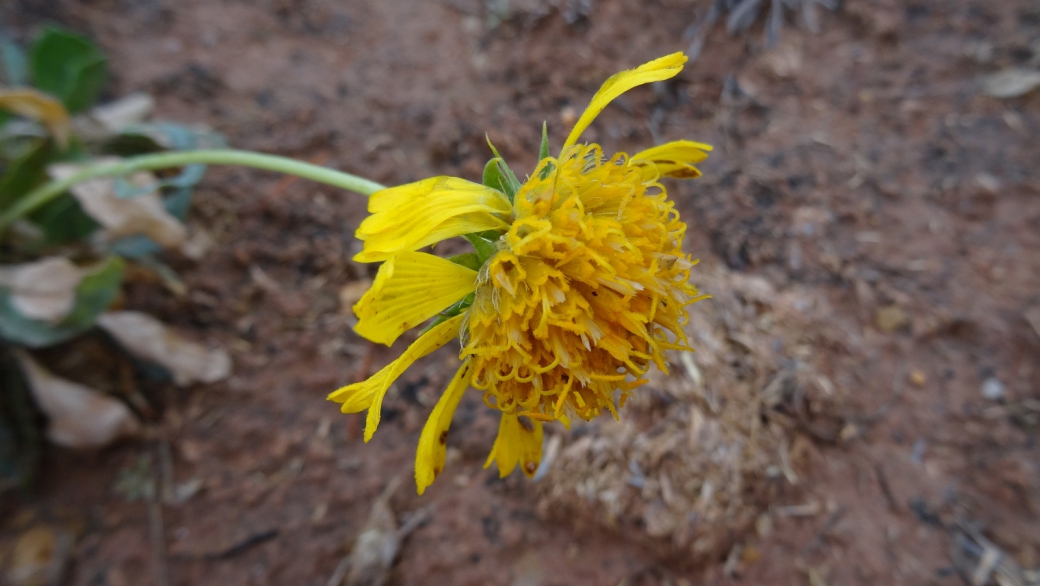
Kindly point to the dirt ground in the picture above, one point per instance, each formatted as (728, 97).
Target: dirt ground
(861, 180)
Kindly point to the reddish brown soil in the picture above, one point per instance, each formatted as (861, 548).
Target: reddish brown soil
(863, 162)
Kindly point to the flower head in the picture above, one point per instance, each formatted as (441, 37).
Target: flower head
(577, 286)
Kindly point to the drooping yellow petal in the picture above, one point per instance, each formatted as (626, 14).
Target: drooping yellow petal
(410, 288)
(41, 107)
(672, 159)
(433, 443)
(409, 217)
(657, 70)
(519, 441)
(369, 394)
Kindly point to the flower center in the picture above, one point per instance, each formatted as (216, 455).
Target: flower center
(588, 287)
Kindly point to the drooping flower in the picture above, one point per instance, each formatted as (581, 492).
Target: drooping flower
(577, 287)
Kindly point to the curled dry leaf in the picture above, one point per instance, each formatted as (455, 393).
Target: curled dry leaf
(39, 556)
(102, 122)
(1011, 83)
(79, 417)
(124, 216)
(43, 290)
(40, 107)
(149, 339)
(132, 109)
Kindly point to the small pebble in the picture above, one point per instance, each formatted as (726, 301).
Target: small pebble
(891, 318)
(992, 389)
(918, 378)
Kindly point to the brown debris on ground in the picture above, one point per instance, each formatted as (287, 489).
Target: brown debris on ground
(699, 455)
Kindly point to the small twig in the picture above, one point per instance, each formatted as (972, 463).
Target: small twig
(816, 540)
(243, 545)
(886, 489)
(166, 492)
(339, 573)
(157, 533)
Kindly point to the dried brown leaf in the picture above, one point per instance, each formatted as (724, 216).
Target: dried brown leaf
(148, 338)
(78, 416)
(45, 289)
(124, 216)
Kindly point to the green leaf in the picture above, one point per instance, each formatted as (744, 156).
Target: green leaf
(69, 67)
(63, 220)
(94, 294)
(470, 260)
(25, 172)
(13, 62)
(485, 247)
(543, 150)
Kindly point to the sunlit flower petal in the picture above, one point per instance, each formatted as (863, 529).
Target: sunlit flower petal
(433, 443)
(519, 441)
(369, 393)
(410, 288)
(657, 70)
(415, 215)
(671, 159)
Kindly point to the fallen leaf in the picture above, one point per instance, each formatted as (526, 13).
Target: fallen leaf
(41, 107)
(78, 416)
(39, 557)
(149, 339)
(124, 216)
(43, 290)
(1011, 83)
(118, 115)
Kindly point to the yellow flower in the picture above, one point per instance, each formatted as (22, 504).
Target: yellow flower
(578, 285)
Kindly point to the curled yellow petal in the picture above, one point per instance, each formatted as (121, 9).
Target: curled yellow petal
(410, 288)
(671, 159)
(41, 107)
(657, 70)
(369, 393)
(519, 441)
(409, 217)
(433, 443)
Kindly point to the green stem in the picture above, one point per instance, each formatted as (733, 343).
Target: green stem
(42, 195)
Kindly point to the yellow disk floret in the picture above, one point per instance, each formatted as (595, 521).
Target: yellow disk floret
(588, 287)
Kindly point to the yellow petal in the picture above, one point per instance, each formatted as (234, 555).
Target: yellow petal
(433, 443)
(672, 159)
(409, 217)
(410, 288)
(40, 107)
(619, 83)
(369, 394)
(518, 442)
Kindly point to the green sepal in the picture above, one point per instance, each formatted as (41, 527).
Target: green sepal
(485, 247)
(470, 260)
(543, 150)
(497, 179)
(510, 184)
